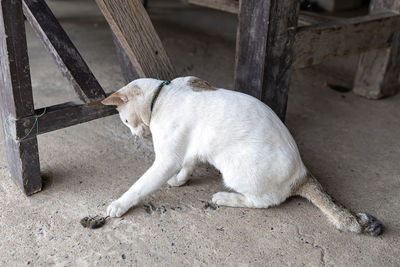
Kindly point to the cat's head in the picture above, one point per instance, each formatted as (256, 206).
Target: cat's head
(132, 105)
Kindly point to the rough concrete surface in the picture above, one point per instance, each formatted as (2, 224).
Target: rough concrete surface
(351, 144)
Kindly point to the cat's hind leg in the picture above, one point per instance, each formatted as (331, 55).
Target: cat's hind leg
(184, 174)
(232, 199)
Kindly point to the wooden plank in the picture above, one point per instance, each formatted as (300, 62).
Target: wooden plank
(266, 34)
(16, 97)
(231, 6)
(311, 18)
(128, 71)
(384, 5)
(379, 69)
(67, 57)
(132, 26)
(60, 116)
(314, 44)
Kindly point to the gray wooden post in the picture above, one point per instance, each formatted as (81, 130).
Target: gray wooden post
(378, 73)
(16, 97)
(265, 38)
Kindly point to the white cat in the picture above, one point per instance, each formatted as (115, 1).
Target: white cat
(192, 121)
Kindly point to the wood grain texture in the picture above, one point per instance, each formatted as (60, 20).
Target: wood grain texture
(312, 18)
(314, 44)
(16, 97)
(231, 6)
(61, 116)
(265, 39)
(16, 81)
(133, 28)
(251, 42)
(378, 73)
(279, 57)
(67, 57)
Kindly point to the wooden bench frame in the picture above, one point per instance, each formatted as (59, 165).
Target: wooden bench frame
(272, 37)
(16, 100)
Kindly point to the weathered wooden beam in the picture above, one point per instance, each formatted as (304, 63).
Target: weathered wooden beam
(282, 25)
(58, 117)
(133, 28)
(379, 69)
(67, 57)
(312, 18)
(251, 42)
(314, 44)
(266, 34)
(231, 6)
(16, 97)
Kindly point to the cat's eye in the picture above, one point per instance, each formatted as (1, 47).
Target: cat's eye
(126, 121)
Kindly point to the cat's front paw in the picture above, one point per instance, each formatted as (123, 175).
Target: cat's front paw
(116, 209)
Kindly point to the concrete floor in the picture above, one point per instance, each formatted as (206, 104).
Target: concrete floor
(350, 143)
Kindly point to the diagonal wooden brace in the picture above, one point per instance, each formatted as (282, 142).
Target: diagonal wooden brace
(135, 33)
(67, 57)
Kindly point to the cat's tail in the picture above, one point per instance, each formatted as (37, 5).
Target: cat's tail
(342, 218)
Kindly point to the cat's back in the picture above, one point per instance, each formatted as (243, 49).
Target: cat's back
(194, 104)
(241, 128)
(217, 112)
(228, 107)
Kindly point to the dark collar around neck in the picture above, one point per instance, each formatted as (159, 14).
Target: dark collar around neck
(157, 93)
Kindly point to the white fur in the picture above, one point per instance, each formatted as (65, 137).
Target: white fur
(238, 134)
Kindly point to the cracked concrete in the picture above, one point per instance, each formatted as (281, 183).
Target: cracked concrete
(349, 143)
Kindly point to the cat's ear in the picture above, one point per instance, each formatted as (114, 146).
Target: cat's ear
(115, 99)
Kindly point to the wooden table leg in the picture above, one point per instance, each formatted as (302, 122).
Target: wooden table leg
(379, 69)
(16, 97)
(265, 38)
